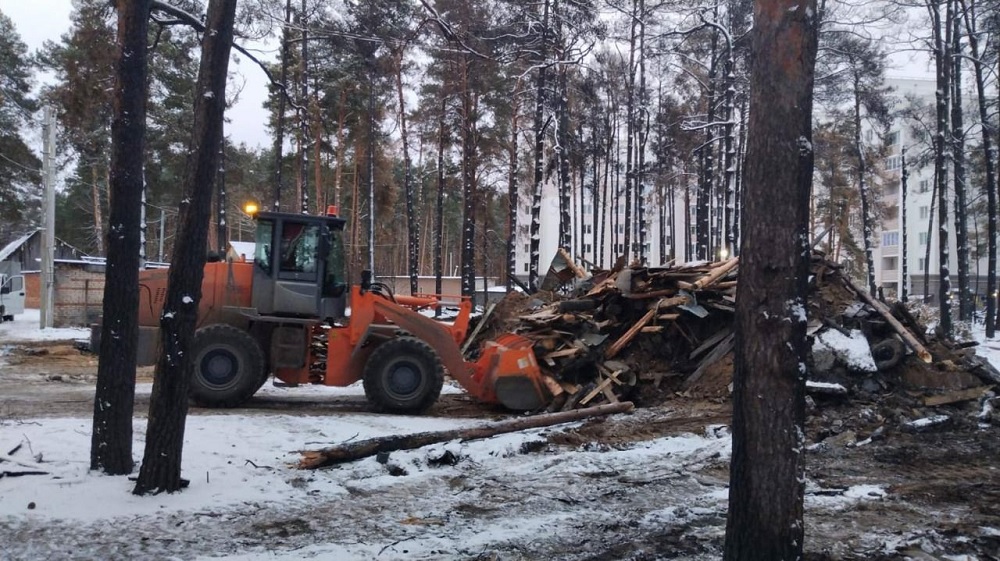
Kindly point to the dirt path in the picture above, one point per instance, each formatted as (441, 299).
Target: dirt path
(935, 494)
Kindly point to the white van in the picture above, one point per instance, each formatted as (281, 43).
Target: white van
(11, 296)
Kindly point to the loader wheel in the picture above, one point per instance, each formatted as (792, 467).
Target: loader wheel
(403, 375)
(228, 366)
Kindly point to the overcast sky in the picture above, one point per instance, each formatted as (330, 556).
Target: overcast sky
(40, 20)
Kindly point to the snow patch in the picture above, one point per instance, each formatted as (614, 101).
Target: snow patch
(853, 351)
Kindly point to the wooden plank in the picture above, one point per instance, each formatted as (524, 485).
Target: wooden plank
(610, 395)
(554, 388)
(651, 329)
(605, 382)
(720, 351)
(956, 396)
(668, 317)
(717, 273)
(710, 342)
(571, 351)
(625, 339)
(579, 272)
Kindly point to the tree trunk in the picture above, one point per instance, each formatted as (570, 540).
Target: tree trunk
(767, 473)
(95, 193)
(439, 207)
(942, 61)
(704, 199)
(111, 441)
(927, 250)
(351, 451)
(161, 464)
(643, 128)
(630, 133)
(372, 127)
(867, 226)
(740, 163)
(904, 283)
(469, 190)
(412, 228)
(279, 129)
(958, 155)
(563, 151)
(989, 158)
(338, 171)
(303, 114)
(513, 191)
(221, 232)
(539, 126)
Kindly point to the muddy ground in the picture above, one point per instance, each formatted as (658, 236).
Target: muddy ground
(941, 483)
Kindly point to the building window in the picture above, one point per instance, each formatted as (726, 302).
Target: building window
(921, 263)
(893, 163)
(527, 247)
(586, 248)
(890, 263)
(924, 213)
(923, 238)
(892, 213)
(587, 229)
(924, 186)
(893, 138)
(525, 267)
(890, 239)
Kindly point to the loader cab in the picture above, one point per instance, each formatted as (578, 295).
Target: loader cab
(299, 266)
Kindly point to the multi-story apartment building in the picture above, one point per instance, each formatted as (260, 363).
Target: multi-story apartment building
(584, 227)
(921, 235)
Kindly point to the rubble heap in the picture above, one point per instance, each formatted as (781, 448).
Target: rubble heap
(647, 333)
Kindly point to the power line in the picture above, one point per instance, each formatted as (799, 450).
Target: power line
(20, 165)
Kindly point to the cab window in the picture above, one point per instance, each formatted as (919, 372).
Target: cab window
(262, 252)
(299, 248)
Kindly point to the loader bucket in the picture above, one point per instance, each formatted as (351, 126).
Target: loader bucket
(517, 378)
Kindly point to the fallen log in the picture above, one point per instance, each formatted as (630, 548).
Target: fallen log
(905, 333)
(30, 465)
(348, 452)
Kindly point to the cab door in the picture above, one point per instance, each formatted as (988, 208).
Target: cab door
(11, 297)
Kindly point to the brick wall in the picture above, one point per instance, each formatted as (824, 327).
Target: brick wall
(79, 295)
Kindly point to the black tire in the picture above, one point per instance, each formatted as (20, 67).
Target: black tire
(403, 375)
(228, 366)
(888, 353)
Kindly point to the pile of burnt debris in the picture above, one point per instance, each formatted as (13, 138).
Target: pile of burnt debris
(648, 334)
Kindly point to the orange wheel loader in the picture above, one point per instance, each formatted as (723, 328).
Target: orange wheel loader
(284, 314)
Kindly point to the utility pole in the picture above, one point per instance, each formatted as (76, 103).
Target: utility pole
(49, 233)
(162, 229)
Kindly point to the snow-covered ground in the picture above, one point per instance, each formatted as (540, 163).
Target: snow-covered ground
(25, 327)
(515, 496)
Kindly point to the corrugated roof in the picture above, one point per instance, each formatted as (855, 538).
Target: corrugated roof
(10, 248)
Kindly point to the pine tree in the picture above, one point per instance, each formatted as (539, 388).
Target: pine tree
(161, 465)
(19, 167)
(111, 441)
(765, 520)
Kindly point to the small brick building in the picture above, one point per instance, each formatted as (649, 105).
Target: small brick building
(79, 292)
